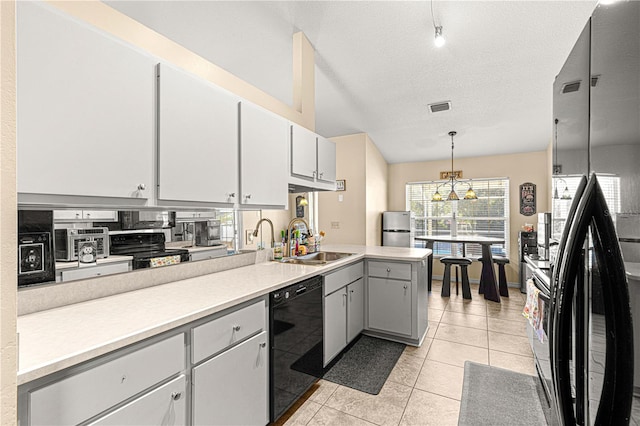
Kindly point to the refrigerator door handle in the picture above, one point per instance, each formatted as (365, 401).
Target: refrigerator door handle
(617, 389)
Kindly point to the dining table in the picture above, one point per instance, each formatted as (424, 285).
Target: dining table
(488, 283)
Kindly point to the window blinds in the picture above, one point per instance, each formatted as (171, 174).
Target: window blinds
(487, 216)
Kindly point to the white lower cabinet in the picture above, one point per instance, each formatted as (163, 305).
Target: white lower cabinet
(343, 309)
(396, 300)
(164, 406)
(335, 324)
(81, 396)
(390, 305)
(232, 388)
(355, 309)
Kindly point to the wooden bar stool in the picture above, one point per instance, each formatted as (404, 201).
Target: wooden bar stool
(462, 262)
(502, 275)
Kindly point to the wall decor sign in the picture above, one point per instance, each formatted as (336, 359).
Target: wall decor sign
(528, 199)
(447, 175)
(341, 185)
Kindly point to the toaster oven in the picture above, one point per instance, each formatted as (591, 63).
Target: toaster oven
(67, 241)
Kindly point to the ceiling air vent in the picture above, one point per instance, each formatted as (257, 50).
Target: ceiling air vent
(440, 106)
(571, 87)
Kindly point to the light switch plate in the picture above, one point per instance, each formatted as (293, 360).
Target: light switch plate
(248, 237)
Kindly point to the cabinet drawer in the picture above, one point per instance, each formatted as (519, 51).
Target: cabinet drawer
(94, 271)
(220, 333)
(342, 277)
(77, 398)
(165, 405)
(393, 270)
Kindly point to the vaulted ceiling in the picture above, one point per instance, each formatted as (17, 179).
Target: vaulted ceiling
(377, 68)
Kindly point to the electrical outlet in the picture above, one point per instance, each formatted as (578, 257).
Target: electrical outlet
(248, 238)
(335, 225)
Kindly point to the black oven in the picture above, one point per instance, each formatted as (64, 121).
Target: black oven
(538, 334)
(147, 248)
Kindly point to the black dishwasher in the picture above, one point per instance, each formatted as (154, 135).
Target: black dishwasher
(296, 325)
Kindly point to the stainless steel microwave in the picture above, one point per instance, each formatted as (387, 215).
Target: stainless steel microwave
(147, 219)
(67, 241)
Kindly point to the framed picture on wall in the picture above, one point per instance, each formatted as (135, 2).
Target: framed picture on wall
(528, 199)
(341, 185)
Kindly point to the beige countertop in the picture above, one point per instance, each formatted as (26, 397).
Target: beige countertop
(55, 339)
(111, 259)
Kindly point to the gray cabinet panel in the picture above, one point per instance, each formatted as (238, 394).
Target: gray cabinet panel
(335, 324)
(390, 305)
(355, 309)
(231, 388)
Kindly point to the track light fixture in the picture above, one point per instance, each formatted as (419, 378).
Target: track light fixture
(439, 38)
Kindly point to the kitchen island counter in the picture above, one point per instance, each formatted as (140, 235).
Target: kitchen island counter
(55, 339)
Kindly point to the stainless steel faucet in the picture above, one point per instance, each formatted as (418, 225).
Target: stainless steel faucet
(255, 231)
(293, 222)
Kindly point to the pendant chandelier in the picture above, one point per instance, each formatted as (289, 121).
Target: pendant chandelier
(453, 196)
(566, 195)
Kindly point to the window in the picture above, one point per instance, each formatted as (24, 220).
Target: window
(565, 188)
(487, 216)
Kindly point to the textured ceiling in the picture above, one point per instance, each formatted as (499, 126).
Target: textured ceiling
(377, 68)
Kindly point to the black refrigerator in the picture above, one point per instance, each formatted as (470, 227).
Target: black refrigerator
(597, 155)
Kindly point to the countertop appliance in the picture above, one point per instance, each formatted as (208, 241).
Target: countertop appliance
(36, 262)
(398, 229)
(591, 330)
(296, 351)
(144, 219)
(208, 232)
(67, 241)
(147, 248)
(527, 245)
(544, 235)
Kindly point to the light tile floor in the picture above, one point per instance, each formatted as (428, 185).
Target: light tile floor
(425, 386)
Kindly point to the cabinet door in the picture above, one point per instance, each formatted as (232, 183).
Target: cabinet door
(231, 388)
(390, 305)
(85, 119)
(60, 215)
(303, 152)
(355, 309)
(326, 160)
(197, 139)
(164, 406)
(101, 215)
(335, 324)
(263, 157)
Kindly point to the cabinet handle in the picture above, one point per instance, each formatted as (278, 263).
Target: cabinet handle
(77, 215)
(263, 345)
(142, 187)
(247, 196)
(321, 175)
(176, 395)
(388, 269)
(236, 328)
(123, 379)
(351, 296)
(231, 195)
(88, 215)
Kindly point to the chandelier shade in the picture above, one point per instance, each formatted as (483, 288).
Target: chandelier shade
(470, 194)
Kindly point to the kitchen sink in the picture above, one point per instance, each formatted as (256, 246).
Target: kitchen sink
(318, 258)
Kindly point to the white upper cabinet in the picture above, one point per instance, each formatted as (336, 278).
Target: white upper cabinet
(263, 157)
(303, 152)
(326, 160)
(197, 139)
(85, 116)
(313, 160)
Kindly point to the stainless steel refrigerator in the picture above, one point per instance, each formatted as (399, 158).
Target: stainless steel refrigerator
(398, 229)
(591, 326)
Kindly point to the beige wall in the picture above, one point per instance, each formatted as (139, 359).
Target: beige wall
(519, 168)
(8, 214)
(377, 173)
(343, 221)
(353, 216)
